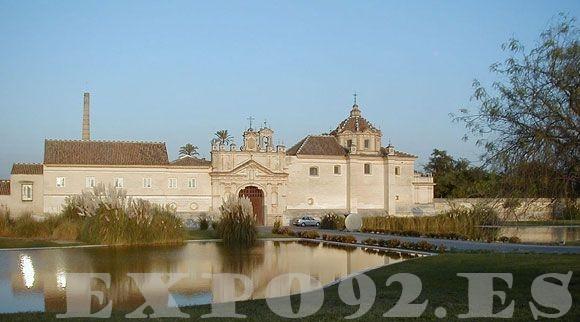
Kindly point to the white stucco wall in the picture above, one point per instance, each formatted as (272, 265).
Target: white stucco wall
(182, 196)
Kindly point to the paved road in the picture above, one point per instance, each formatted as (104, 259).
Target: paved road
(461, 245)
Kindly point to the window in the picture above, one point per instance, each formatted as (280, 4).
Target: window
(119, 183)
(367, 144)
(60, 182)
(367, 168)
(397, 197)
(397, 171)
(146, 182)
(349, 143)
(191, 183)
(27, 192)
(90, 182)
(314, 171)
(337, 169)
(173, 183)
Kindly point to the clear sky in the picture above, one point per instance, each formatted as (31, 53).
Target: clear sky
(177, 71)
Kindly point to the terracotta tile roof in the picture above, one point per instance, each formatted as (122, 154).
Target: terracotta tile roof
(76, 152)
(317, 145)
(5, 187)
(190, 161)
(385, 153)
(355, 123)
(27, 168)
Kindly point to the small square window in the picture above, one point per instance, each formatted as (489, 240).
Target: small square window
(367, 144)
(337, 169)
(27, 192)
(119, 183)
(397, 197)
(367, 168)
(60, 182)
(191, 183)
(90, 182)
(146, 182)
(172, 183)
(314, 171)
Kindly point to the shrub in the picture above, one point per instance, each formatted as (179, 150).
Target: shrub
(203, 222)
(370, 241)
(393, 243)
(277, 226)
(237, 225)
(310, 234)
(514, 240)
(332, 221)
(349, 239)
(442, 249)
(503, 239)
(214, 225)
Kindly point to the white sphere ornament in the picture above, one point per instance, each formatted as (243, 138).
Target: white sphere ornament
(353, 222)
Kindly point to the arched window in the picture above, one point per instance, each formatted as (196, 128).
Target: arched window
(398, 171)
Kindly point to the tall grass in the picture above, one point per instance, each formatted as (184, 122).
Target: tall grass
(104, 215)
(459, 221)
(237, 225)
(109, 217)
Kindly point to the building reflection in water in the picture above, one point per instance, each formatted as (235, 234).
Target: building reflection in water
(27, 270)
(44, 271)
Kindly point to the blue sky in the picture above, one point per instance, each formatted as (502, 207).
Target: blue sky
(177, 71)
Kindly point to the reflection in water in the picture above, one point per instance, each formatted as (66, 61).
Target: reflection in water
(61, 278)
(540, 234)
(27, 270)
(262, 263)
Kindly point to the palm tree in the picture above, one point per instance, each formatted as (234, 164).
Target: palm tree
(223, 136)
(188, 149)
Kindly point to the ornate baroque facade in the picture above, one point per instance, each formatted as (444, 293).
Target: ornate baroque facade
(346, 171)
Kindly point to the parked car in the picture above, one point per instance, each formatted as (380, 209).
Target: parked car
(307, 221)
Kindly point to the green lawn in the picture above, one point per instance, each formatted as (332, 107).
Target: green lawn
(31, 243)
(441, 287)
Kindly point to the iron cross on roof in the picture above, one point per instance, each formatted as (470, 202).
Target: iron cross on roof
(355, 95)
(251, 119)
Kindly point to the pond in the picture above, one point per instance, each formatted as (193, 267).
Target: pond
(35, 280)
(540, 234)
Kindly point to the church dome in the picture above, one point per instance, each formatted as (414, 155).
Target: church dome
(355, 123)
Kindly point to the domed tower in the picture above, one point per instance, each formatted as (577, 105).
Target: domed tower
(357, 134)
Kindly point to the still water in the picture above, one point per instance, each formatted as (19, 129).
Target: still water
(541, 234)
(35, 280)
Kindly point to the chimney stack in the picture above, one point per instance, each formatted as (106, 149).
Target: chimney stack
(86, 118)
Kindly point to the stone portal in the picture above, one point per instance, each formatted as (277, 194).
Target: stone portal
(256, 196)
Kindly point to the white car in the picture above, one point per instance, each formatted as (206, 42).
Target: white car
(307, 221)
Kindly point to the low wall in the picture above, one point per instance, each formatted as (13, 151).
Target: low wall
(529, 209)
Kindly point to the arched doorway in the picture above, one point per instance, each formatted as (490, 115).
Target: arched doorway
(256, 196)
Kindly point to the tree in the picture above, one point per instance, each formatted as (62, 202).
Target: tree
(528, 124)
(458, 178)
(188, 149)
(224, 137)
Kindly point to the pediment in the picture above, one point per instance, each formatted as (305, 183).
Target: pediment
(252, 168)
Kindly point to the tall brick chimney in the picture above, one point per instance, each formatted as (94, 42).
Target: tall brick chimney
(86, 118)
